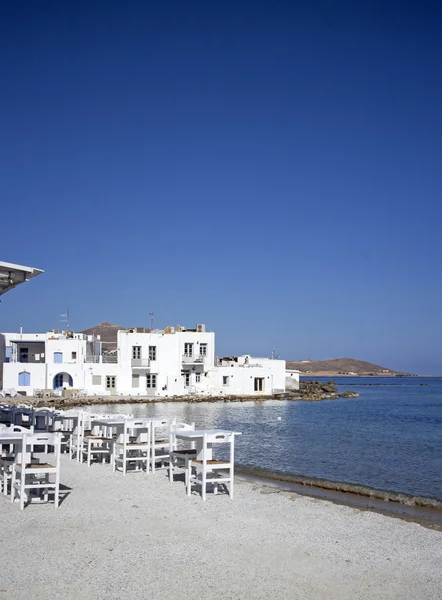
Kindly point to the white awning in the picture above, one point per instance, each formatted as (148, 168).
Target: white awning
(12, 275)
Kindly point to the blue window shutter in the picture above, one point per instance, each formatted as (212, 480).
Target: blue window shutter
(8, 353)
(58, 357)
(24, 379)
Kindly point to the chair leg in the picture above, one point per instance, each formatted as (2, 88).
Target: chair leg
(57, 490)
(231, 484)
(22, 490)
(189, 478)
(204, 481)
(12, 486)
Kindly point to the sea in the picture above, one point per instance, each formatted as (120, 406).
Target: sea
(390, 438)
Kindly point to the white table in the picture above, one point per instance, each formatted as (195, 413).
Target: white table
(198, 437)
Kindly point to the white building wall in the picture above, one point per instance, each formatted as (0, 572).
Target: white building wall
(37, 373)
(291, 379)
(82, 371)
(168, 365)
(241, 378)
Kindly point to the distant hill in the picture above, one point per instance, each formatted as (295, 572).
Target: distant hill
(108, 333)
(338, 365)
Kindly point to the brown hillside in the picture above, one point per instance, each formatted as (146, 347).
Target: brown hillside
(108, 333)
(337, 365)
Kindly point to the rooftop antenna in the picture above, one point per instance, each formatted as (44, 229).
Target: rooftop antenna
(151, 319)
(65, 318)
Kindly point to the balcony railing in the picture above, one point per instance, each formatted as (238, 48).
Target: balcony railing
(102, 359)
(140, 363)
(199, 360)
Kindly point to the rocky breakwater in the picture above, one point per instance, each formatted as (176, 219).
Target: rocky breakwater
(314, 391)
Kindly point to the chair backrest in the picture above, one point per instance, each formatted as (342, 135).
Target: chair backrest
(176, 427)
(223, 437)
(179, 426)
(22, 415)
(43, 419)
(30, 440)
(138, 428)
(43, 438)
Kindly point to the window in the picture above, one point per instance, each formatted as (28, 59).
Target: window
(110, 382)
(24, 379)
(74, 356)
(151, 381)
(186, 379)
(259, 384)
(24, 355)
(135, 380)
(136, 352)
(58, 357)
(225, 380)
(8, 354)
(188, 350)
(203, 349)
(198, 378)
(96, 379)
(152, 352)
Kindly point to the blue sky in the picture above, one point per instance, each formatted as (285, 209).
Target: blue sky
(270, 169)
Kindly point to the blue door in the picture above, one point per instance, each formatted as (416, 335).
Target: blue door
(24, 379)
(58, 357)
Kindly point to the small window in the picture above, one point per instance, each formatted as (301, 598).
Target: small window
(152, 352)
(186, 379)
(225, 380)
(203, 349)
(74, 356)
(188, 350)
(110, 382)
(151, 381)
(58, 357)
(198, 378)
(136, 352)
(96, 379)
(135, 380)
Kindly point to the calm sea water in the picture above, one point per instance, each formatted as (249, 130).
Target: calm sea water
(390, 438)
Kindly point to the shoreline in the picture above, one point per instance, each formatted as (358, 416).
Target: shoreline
(59, 402)
(417, 509)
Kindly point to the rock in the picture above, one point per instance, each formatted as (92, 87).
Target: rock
(349, 395)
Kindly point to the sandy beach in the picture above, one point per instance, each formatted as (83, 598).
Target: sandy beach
(140, 536)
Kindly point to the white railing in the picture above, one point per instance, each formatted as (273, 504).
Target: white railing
(101, 359)
(140, 362)
(193, 359)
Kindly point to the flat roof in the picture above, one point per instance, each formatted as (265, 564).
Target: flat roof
(12, 275)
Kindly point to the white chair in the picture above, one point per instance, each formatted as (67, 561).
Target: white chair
(160, 445)
(7, 456)
(132, 446)
(22, 416)
(29, 474)
(95, 442)
(76, 438)
(179, 457)
(209, 471)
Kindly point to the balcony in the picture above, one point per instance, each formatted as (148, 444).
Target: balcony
(140, 363)
(193, 360)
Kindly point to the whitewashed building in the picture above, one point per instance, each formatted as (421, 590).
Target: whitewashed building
(171, 362)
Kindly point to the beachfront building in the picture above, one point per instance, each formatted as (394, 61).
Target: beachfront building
(174, 361)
